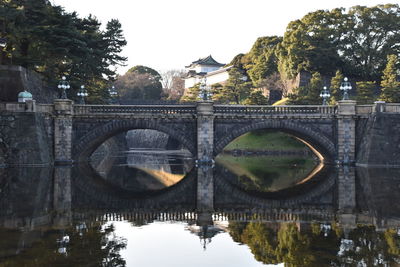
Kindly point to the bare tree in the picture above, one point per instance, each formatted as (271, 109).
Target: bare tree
(173, 83)
(274, 82)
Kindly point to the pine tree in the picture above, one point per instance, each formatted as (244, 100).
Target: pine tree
(365, 92)
(308, 95)
(191, 94)
(390, 86)
(335, 87)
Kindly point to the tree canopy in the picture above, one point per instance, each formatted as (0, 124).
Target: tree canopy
(356, 42)
(47, 39)
(139, 83)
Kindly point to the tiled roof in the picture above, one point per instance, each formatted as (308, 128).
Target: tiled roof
(207, 61)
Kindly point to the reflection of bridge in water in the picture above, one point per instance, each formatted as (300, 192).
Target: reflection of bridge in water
(37, 199)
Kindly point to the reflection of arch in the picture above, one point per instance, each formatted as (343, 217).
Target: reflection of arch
(94, 192)
(318, 186)
(307, 134)
(86, 145)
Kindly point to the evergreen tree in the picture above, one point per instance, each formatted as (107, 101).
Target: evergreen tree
(390, 85)
(256, 98)
(335, 87)
(191, 94)
(47, 39)
(237, 87)
(365, 92)
(308, 95)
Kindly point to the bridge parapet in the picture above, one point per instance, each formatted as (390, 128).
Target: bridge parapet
(129, 109)
(272, 110)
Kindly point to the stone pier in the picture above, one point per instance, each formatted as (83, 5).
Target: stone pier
(205, 131)
(62, 197)
(346, 131)
(63, 109)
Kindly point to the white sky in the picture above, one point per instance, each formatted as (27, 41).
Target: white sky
(170, 34)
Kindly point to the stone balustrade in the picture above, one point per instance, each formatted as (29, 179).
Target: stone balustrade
(219, 110)
(123, 109)
(271, 110)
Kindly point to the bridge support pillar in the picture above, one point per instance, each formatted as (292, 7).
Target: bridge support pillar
(347, 198)
(205, 131)
(346, 131)
(63, 131)
(62, 197)
(205, 189)
(205, 195)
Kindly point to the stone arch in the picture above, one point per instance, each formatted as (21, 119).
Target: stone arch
(307, 134)
(87, 144)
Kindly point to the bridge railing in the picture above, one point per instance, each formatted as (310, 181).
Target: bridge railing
(364, 109)
(392, 107)
(118, 109)
(45, 108)
(13, 107)
(270, 110)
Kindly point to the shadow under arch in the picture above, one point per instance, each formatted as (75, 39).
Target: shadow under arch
(87, 144)
(94, 191)
(311, 137)
(322, 182)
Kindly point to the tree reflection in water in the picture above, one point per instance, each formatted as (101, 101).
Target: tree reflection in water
(96, 246)
(306, 245)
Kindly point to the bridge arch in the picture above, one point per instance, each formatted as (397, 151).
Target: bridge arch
(308, 135)
(88, 143)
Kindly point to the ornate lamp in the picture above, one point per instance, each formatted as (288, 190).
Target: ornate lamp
(64, 85)
(82, 93)
(325, 95)
(345, 86)
(204, 90)
(113, 94)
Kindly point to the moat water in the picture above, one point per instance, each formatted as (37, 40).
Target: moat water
(157, 208)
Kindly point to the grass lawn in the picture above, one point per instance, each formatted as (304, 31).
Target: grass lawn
(266, 140)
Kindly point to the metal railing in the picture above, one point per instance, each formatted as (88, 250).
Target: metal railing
(122, 109)
(270, 110)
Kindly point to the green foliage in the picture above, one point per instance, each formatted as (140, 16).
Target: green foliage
(191, 94)
(309, 44)
(335, 87)
(365, 92)
(47, 39)
(261, 59)
(356, 42)
(256, 98)
(390, 84)
(237, 87)
(308, 95)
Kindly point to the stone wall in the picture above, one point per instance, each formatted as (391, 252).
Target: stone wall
(25, 139)
(379, 142)
(15, 79)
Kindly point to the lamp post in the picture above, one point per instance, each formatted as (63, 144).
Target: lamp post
(64, 85)
(3, 42)
(204, 90)
(113, 94)
(82, 93)
(345, 86)
(325, 95)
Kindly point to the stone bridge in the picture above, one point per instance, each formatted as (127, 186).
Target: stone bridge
(344, 133)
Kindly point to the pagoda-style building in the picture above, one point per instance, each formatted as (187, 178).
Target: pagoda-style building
(207, 68)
